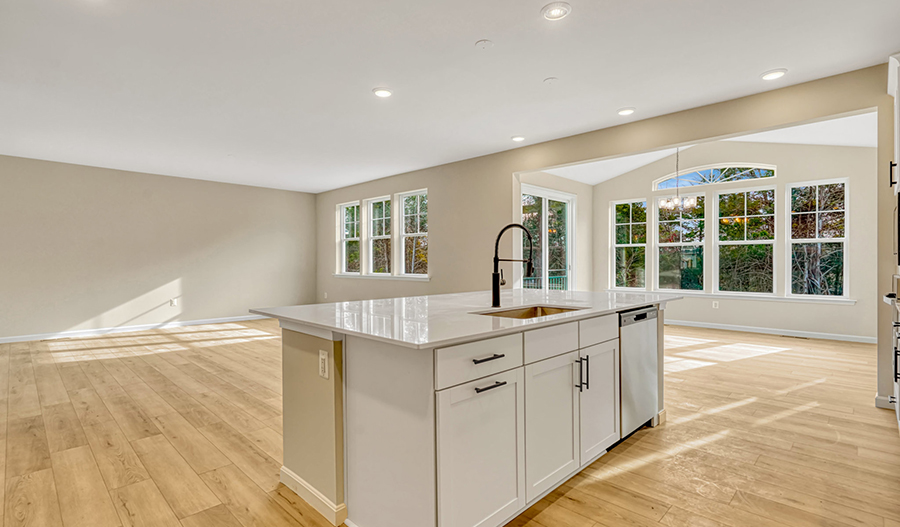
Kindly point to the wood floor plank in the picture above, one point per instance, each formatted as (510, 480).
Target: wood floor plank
(251, 506)
(177, 481)
(89, 407)
(27, 450)
(51, 390)
(31, 501)
(193, 446)
(256, 464)
(83, 498)
(218, 516)
(269, 441)
(148, 400)
(142, 505)
(131, 419)
(63, 427)
(118, 463)
(231, 414)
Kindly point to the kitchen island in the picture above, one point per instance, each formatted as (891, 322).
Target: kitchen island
(440, 411)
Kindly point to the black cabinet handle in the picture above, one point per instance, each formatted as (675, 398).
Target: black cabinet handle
(891, 173)
(896, 362)
(587, 376)
(580, 384)
(491, 387)
(488, 359)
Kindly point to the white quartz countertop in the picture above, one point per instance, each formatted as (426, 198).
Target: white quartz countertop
(436, 321)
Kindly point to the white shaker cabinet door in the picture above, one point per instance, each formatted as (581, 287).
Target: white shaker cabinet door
(481, 451)
(599, 399)
(551, 422)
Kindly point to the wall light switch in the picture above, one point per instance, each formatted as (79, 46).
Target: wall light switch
(326, 296)
(715, 305)
(323, 364)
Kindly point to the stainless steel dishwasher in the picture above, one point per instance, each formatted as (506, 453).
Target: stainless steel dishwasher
(640, 368)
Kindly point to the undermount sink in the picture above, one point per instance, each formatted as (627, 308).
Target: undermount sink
(530, 312)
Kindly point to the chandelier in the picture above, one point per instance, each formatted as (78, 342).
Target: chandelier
(677, 202)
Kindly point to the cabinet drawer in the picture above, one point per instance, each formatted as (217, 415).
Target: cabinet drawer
(596, 330)
(467, 362)
(544, 343)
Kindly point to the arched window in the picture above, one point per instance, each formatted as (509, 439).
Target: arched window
(711, 175)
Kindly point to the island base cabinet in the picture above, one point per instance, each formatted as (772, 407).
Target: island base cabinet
(599, 399)
(481, 451)
(552, 450)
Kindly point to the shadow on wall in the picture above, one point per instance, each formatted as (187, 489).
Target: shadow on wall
(152, 307)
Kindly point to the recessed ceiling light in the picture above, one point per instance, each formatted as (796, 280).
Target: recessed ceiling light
(382, 92)
(626, 111)
(484, 44)
(517, 138)
(774, 74)
(556, 10)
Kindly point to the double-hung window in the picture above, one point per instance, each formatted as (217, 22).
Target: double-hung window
(350, 262)
(746, 241)
(630, 233)
(680, 241)
(818, 239)
(380, 236)
(415, 232)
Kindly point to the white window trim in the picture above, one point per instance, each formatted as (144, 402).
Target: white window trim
(341, 240)
(571, 215)
(789, 242)
(399, 256)
(716, 243)
(370, 237)
(703, 243)
(614, 245)
(667, 177)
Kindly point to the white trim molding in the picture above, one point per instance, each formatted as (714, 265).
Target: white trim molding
(336, 514)
(125, 329)
(774, 331)
(884, 401)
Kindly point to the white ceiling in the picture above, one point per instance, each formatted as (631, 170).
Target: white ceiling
(278, 93)
(599, 171)
(858, 130)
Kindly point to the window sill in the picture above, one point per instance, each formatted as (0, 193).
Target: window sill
(403, 277)
(727, 296)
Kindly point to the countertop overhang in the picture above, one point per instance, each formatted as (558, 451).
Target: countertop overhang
(434, 321)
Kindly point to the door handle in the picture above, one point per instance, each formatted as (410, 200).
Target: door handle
(495, 356)
(580, 384)
(491, 387)
(587, 375)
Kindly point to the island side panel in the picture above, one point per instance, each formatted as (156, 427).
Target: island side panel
(391, 464)
(661, 365)
(313, 423)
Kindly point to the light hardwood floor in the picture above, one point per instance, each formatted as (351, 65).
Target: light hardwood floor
(183, 427)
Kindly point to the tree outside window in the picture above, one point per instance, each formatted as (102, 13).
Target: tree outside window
(630, 233)
(818, 239)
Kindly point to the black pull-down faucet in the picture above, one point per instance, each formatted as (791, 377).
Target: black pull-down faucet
(529, 263)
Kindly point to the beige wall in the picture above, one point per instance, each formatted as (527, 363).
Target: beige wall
(87, 248)
(470, 200)
(795, 163)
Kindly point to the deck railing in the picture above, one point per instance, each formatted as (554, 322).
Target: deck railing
(555, 283)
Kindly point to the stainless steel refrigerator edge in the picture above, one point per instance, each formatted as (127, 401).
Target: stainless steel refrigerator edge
(638, 337)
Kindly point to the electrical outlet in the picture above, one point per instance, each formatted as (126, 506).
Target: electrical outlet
(173, 302)
(715, 304)
(323, 364)
(326, 296)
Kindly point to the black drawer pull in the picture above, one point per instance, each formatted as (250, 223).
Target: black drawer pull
(488, 359)
(491, 387)
(587, 370)
(891, 173)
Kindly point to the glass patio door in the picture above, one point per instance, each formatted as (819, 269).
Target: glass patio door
(547, 214)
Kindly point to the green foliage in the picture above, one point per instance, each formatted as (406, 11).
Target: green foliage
(817, 269)
(746, 268)
(630, 266)
(681, 268)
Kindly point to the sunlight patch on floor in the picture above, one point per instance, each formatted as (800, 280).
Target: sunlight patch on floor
(731, 352)
(675, 365)
(673, 341)
(630, 465)
(799, 409)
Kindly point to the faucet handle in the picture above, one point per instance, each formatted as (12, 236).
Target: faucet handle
(502, 281)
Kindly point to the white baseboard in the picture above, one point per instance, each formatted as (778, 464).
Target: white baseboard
(882, 401)
(124, 329)
(773, 331)
(336, 514)
(349, 523)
